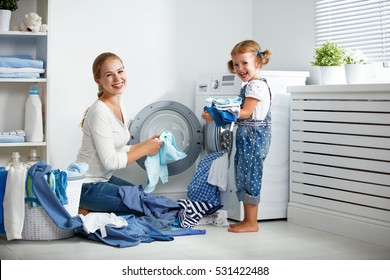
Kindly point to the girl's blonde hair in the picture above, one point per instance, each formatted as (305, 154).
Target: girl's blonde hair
(249, 46)
(96, 67)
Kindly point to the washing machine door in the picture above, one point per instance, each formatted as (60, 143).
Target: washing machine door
(176, 118)
(218, 139)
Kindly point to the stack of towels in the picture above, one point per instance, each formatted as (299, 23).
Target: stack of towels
(21, 66)
(15, 136)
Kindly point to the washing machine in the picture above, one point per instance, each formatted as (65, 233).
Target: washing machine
(197, 139)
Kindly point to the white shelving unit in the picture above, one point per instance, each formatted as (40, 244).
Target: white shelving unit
(14, 92)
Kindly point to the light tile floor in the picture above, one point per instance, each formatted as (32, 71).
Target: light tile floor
(276, 240)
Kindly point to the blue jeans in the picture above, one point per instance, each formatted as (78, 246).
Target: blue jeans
(104, 197)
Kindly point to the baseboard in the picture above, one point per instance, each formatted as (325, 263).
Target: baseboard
(347, 225)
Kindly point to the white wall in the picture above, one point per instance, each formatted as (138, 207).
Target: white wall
(287, 29)
(165, 45)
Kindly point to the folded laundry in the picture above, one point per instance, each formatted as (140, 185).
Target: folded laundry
(13, 132)
(16, 62)
(14, 136)
(20, 75)
(229, 102)
(224, 111)
(11, 70)
(11, 139)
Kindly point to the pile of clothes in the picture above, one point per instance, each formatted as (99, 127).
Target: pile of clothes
(162, 218)
(21, 66)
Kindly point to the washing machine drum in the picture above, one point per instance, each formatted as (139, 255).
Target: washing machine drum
(176, 118)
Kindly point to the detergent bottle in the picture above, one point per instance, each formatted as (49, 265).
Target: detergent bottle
(33, 122)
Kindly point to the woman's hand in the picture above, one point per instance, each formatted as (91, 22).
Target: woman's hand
(153, 145)
(145, 148)
(206, 116)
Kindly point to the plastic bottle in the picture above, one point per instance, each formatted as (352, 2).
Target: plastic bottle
(15, 160)
(33, 122)
(33, 157)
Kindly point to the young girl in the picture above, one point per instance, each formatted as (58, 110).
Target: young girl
(253, 134)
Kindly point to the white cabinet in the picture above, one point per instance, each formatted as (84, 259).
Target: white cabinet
(14, 91)
(340, 160)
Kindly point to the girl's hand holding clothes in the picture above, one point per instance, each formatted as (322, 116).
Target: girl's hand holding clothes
(206, 116)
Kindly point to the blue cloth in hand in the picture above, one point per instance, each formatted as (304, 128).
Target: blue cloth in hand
(221, 117)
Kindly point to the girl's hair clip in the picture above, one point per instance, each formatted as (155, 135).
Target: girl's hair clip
(259, 53)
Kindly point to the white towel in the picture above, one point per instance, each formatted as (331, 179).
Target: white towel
(218, 174)
(94, 221)
(13, 203)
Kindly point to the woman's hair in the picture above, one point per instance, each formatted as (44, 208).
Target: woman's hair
(96, 67)
(249, 46)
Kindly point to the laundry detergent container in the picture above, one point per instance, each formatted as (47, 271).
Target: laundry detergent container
(39, 226)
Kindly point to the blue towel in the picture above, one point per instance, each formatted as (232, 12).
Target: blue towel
(157, 165)
(15, 62)
(221, 117)
(22, 56)
(3, 181)
(76, 170)
(28, 75)
(11, 139)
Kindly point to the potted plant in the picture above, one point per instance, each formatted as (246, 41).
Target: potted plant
(329, 57)
(356, 67)
(6, 8)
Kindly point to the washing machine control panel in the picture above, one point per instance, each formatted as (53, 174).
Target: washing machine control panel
(226, 84)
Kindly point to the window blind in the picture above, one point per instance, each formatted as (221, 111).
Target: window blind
(355, 24)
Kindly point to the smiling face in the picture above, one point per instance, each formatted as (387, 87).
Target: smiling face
(112, 78)
(246, 66)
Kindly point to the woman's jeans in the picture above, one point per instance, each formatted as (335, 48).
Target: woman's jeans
(104, 197)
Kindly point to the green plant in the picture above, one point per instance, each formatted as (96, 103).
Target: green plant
(328, 54)
(11, 5)
(354, 57)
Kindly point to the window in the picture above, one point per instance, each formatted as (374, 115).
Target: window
(355, 24)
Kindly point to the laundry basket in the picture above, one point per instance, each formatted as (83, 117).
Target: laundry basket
(39, 226)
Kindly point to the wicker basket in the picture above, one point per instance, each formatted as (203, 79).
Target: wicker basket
(39, 226)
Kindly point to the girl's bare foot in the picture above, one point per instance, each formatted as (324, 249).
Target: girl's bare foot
(235, 224)
(244, 227)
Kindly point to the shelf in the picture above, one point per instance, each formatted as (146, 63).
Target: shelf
(24, 144)
(22, 34)
(18, 80)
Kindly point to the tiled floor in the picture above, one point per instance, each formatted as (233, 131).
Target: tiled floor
(276, 240)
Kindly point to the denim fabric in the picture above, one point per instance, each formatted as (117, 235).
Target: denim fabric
(252, 146)
(48, 199)
(253, 139)
(105, 197)
(131, 235)
(160, 207)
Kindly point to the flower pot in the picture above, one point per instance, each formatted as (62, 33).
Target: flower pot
(357, 73)
(331, 75)
(5, 18)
